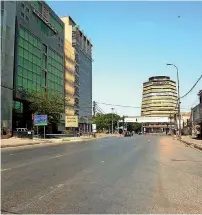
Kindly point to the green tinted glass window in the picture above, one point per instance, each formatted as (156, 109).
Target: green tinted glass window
(25, 83)
(19, 81)
(30, 57)
(39, 70)
(30, 65)
(34, 68)
(29, 75)
(34, 59)
(26, 36)
(38, 78)
(26, 54)
(29, 83)
(34, 77)
(21, 32)
(35, 42)
(25, 73)
(39, 44)
(26, 45)
(20, 51)
(26, 63)
(30, 47)
(30, 39)
(21, 43)
(38, 61)
(20, 59)
(20, 70)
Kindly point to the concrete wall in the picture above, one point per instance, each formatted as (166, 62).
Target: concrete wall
(8, 14)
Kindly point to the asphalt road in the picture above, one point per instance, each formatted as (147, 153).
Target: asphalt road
(140, 174)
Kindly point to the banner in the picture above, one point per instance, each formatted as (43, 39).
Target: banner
(71, 121)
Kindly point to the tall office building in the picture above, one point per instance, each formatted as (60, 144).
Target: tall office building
(39, 54)
(69, 72)
(8, 14)
(159, 97)
(83, 72)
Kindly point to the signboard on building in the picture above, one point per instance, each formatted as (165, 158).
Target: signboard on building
(94, 128)
(40, 120)
(71, 121)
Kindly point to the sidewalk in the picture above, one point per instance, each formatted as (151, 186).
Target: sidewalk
(192, 142)
(15, 142)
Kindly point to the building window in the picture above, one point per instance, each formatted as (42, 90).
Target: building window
(27, 18)
(22, 14)
(27, 9)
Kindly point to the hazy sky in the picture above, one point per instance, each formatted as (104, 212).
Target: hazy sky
(133, 41)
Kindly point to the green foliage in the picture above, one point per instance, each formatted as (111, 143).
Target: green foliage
(134, 126)
(104, 121)
(48, 104)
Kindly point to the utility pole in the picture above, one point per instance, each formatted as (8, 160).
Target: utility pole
(178, 89)
(123, 122)
(112, 121)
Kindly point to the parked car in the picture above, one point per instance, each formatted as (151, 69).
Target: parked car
(140, 133)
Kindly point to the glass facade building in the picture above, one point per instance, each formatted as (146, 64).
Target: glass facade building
(8, 14)
(39, 53)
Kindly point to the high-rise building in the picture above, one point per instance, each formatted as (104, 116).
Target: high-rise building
(69, 78)
(83, 72)
(159, 97)
(69, 72)
(39, 54)
(8, 14)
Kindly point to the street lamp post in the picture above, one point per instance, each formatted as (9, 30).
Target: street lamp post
(178, 89)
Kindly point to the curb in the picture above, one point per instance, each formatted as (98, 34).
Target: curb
(63, 141)
(194, 145)
(27, 144)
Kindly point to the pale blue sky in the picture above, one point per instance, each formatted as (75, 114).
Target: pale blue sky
(133, 41)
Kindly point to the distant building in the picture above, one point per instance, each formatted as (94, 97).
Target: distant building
(185, 116)
(186, 123)
(159, 97)
(83, 72)
(196, 113)
(151, 124)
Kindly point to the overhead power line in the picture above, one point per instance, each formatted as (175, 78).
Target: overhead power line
(192, 87)
(127, 106)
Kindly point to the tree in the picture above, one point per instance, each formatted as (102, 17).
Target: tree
(48, 104)
(104, 121)
(134, 126)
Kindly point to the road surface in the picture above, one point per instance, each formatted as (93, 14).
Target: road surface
(139, 174)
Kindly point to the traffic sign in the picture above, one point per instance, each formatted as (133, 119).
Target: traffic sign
(40, 120)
